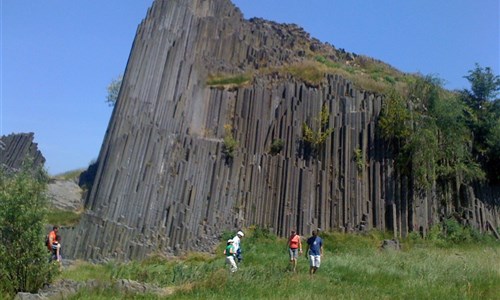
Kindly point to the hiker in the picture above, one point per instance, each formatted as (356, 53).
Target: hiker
(56, 250)
(230, 254)
(314, 252)
(237, 245)
(51, 237)
(294, 248)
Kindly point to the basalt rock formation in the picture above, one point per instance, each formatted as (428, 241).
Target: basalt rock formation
(186, 158)
(15, 149)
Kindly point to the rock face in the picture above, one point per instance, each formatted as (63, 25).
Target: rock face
(16, 148)
(163, 183)
(65, 195)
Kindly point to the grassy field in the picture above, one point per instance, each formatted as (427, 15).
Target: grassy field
(353, 267)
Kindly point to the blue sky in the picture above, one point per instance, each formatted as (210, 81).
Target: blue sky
(58, 56)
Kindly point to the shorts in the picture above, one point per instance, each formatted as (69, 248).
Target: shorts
(315, 260)
(294, 253)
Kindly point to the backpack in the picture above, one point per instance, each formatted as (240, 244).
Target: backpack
(47, 240)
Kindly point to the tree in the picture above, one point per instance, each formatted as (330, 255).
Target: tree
(426, 129)
(484, 85)
(484, 112)
(114, 90)
(24, 261)
(395, 120)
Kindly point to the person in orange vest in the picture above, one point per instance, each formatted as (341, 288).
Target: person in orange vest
(52, 237)
(294, 248)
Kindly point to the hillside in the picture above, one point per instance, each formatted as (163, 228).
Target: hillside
(225, 123)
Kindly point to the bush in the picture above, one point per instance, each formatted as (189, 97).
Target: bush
(277, 146)
(230, 144)
(314, 139)
(359, 158)
(24, 261)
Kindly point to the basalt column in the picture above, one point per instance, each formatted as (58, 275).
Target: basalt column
(165, 182)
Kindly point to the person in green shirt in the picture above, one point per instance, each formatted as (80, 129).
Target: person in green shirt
(230, 254)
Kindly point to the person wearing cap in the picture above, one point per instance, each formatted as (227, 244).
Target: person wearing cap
(237, 245)
(230, 253)
(294, 248)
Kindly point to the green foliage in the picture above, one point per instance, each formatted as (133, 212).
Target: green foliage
(228, 80)
(366, 73)
(334, 65)
(309, 72)
(24, 264)
(230, 144)
(483, 115)
(314, 139)
(455, 233)
(435, 232)
(450, 233)
(277, 146)
(394, 121)
(113, 90)
(258, 233)
(419, 159)
(484, 85)
(359, 159)
(427, 131)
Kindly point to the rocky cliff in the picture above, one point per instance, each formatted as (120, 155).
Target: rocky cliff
(15, 149)
(166, 180)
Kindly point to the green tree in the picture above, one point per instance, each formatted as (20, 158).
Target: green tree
(484, 85)
(454, 156)
(395, 120)
(24, 264)
(114, 90)
(428, 134)
(484, 112)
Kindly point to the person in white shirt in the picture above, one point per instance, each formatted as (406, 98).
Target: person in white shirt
(237, 245)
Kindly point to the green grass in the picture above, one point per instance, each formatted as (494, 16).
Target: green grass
(73, 174)
(368, 74)
(62, 217)
(365, 73)
(353, 267)
(221, 80)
